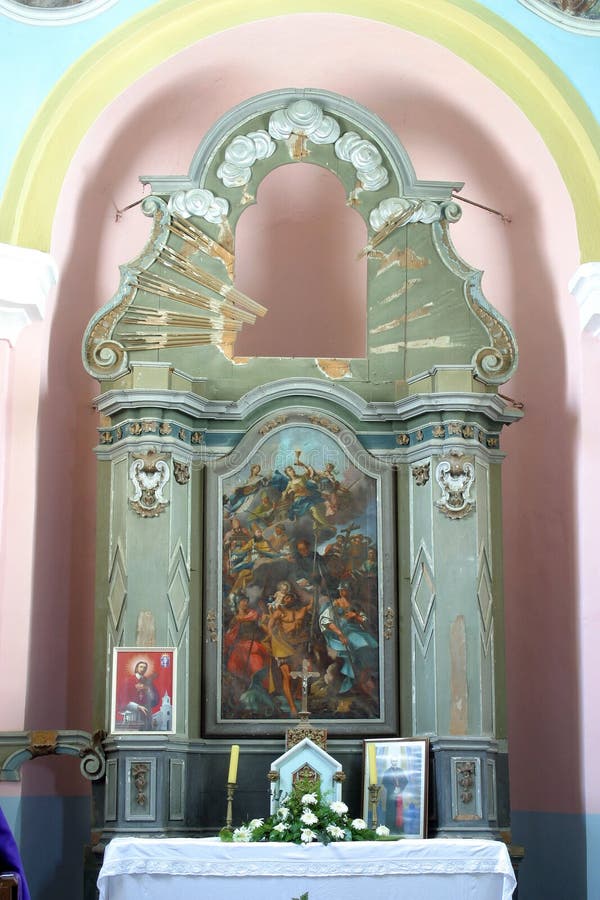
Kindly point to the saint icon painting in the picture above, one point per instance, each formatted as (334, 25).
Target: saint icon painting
(143, 689)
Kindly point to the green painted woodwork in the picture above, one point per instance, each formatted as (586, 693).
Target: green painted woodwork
(424, 397)
(424, 304)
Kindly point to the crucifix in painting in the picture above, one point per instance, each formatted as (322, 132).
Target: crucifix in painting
(306, 675)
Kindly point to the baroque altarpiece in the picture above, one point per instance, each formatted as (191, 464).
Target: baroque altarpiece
(257, 515)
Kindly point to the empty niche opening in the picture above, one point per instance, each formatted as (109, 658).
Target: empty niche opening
(296, 252)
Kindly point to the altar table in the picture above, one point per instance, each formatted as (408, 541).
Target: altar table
(191, 869)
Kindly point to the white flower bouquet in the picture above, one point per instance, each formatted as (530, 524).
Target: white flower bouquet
(304, 817)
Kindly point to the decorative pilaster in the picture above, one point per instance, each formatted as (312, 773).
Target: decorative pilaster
(26, 278)
(585, 287)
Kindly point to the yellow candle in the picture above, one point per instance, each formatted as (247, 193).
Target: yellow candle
(372, 764)
(233, 764)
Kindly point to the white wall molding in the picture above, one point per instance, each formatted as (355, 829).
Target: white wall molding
(26, 278)
(585, 287)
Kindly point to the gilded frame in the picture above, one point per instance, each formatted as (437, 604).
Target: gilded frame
(352, 683)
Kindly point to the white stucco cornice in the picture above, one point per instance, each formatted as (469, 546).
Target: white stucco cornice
(585, 287)
(490, 405)
(26, 278)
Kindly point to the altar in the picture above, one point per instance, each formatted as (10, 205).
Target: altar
(151, 868)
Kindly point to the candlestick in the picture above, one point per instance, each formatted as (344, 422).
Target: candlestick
(372, 763)
(233, 764)
(230, 792)
(374, 791)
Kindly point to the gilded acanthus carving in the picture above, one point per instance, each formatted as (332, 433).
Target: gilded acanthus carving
(466, 779)
(273, 423)
(211, 626)
(421, 474)
(181, 471)
(43, 743)
(149, 474)
(139, 776)
(304, 730)
(325, 423)
(455, 475)
(389, 619)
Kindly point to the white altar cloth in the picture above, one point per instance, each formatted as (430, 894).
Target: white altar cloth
(190, 869)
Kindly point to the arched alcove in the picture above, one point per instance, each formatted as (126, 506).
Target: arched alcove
(309, 277)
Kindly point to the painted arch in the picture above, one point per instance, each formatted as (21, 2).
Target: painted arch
(500, 52)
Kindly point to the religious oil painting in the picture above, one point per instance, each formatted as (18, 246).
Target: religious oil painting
(143, 688)
(400, 769)
(299, 609)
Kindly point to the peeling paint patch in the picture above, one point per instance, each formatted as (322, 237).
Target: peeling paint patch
(459, 694)
(402, 291)
(334, 368)
(387, 326)
(227, 351)
(146, 629)
(406, 259)
(225, 239)
(298, 147)
(439, 342)
(420, 313)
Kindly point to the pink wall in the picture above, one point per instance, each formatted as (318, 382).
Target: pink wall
(589, 561)
(456, 126)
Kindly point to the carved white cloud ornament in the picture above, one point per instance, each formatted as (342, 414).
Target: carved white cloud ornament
(366, 159)
(304, 117)
(240, 156)
(199, 202)
(425, 211)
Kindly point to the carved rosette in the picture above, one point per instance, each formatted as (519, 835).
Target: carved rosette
(149, 474)
(455, 475)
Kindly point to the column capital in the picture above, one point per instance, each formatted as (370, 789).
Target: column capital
(585, 287)
(26, 278)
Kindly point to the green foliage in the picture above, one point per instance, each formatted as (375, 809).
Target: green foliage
(305, 816)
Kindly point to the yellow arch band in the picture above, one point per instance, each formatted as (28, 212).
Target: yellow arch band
(494, 47)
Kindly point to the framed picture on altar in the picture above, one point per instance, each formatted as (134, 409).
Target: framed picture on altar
(299, 544)
(143, 690)
(400, 768)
